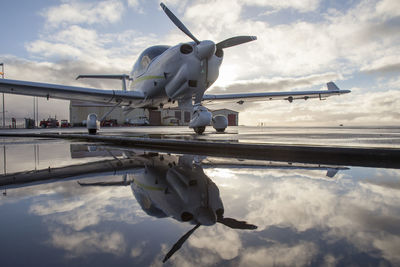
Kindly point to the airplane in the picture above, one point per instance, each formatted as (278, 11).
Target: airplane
(166, 76)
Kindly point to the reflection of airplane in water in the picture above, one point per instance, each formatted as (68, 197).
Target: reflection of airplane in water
(164, 185)
(178, 187)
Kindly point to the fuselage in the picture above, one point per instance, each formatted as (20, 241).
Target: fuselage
(180, 73)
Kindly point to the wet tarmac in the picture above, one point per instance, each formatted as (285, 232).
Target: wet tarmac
(386, 137)
(79, 203)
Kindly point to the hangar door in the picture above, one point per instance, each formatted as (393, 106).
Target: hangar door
(154, 117)
(232, 120)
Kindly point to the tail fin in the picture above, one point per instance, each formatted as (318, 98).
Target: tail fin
(331, 172)
(332, 86)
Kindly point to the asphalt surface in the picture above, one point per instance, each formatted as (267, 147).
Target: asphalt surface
(369, 147)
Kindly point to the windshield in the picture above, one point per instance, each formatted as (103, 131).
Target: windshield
(146, 57)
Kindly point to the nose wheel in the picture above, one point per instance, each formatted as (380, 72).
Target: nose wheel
(199, 130)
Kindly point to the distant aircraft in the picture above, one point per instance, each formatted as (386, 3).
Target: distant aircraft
(165, 76)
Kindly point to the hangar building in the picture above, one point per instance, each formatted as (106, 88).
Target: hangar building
(78, 112)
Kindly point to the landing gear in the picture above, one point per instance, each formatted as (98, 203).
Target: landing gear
(92, 124)
(199, 130)
(201, 117)
(220, 122)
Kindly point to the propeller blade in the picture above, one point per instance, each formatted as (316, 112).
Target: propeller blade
(235, 41)
(180, 242)
(235, 224)
(178, 23)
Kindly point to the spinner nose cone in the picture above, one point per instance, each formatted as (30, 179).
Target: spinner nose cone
(206, 216)
(205, 49)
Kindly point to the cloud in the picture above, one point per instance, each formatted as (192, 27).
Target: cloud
(276, 84)
(388, 8)
(76, 12)
(84, 44)
(136, 5)
(299, 5)
(386, 64)
(359, 108)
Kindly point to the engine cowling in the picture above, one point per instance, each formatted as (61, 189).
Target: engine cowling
(219, 122)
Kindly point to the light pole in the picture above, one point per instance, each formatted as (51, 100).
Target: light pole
(2, 75)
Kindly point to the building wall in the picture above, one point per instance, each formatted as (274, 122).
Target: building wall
(78, 112)
(231, 115)
(175, 116)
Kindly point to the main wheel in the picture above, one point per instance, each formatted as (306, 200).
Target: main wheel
(199, 130)
(92, 131)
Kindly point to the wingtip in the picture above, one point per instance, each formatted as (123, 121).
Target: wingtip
(162, 5)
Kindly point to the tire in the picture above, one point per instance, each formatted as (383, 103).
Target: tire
(199, 130)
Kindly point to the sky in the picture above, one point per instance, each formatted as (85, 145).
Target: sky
(301, 45)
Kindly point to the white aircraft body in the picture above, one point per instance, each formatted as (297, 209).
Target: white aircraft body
(165, 76)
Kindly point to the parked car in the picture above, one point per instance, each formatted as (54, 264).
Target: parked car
(49, 123)
(65, 124)
(109, 123)
(139, 121)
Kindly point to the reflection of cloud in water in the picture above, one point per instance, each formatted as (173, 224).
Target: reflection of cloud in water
(138, 250)
(87, 206)
(355, 208)
(82, 243)
(280, 255)
(364, 214)
(225, 242)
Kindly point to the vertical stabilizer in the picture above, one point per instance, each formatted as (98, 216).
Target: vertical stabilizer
(332, 86)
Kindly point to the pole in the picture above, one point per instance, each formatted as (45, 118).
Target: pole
(37, 112)
(2, 74)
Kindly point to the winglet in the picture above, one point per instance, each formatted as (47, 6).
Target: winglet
(332, 86)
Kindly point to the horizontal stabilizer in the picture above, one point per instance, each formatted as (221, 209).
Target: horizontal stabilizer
(105, 76)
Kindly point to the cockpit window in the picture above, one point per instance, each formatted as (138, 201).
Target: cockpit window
(146, 57)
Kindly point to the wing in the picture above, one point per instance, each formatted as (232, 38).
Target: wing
(290, 96)
(69, 92)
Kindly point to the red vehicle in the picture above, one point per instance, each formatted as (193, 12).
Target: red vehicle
(65, 124)
(109, 123)
(49, 123)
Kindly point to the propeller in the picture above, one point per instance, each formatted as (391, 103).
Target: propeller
(178, 23)
(221, 45)
(218, 47)
(235, 41)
